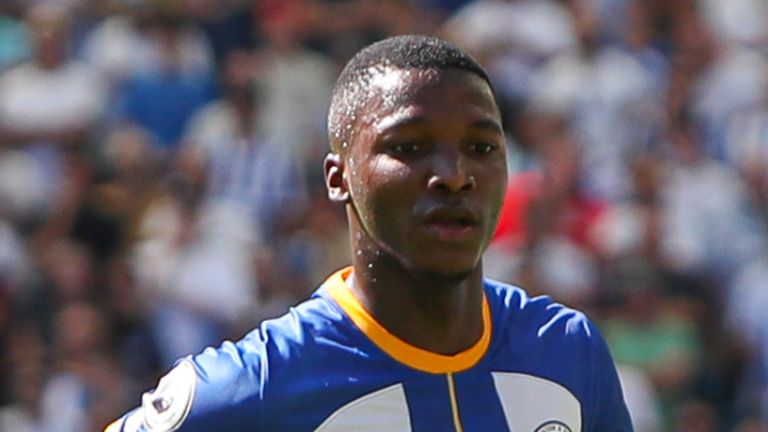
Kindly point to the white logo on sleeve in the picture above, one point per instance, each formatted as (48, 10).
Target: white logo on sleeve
(166, 407)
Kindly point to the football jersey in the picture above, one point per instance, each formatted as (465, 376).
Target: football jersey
(328, 365)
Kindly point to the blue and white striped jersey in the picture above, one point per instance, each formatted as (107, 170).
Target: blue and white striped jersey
(327, 365)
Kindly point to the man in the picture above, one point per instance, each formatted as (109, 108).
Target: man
(411, 337)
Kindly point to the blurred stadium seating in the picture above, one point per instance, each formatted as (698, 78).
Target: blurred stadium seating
(161, 185)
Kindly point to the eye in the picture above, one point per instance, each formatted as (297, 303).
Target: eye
(405, 148)
(482, 147)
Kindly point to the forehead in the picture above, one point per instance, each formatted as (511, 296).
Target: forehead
(394, 89)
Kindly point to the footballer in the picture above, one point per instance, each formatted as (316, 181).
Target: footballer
(411, 336)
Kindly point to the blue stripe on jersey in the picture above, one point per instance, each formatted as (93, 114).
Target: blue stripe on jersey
(478, 411)
(429, 403)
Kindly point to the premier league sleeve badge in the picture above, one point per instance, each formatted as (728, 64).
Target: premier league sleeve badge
(166, 407)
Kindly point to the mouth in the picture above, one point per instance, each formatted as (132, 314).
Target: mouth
(451, 224)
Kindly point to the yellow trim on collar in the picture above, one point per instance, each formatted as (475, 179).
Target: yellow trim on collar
(400, 350)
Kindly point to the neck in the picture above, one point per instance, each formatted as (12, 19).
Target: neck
(441, 314)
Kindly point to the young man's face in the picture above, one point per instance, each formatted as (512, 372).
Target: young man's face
(426, 169)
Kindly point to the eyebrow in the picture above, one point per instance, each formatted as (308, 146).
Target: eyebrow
(404, 123)
(486, 124)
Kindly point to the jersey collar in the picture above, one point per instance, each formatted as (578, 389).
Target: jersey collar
(410, 355)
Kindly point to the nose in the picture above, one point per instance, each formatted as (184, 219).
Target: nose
(449, 173)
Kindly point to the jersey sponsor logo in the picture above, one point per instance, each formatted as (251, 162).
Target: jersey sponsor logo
(166, 408)
(553, 426)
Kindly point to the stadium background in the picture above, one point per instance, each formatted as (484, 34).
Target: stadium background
(161, 189)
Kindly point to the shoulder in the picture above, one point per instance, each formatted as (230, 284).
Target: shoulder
(224, 388)
(538, 337)
(536, 334)
(279, 343)
(303, 328)
(540, 316)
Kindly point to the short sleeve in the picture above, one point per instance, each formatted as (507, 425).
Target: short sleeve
(609, 412)
(219, 389)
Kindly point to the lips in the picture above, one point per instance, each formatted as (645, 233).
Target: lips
(451, 223)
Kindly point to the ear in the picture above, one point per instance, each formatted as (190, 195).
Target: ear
(333, 168)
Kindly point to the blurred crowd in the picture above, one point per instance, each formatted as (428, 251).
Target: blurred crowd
(161, 185)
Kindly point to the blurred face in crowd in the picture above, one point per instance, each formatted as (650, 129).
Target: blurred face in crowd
(49, 28)
(27, 381)
(69, 266)
(81, 329)
(425, 170)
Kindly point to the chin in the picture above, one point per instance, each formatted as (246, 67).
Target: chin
(447, 276)
(440, 265)
(445, 271)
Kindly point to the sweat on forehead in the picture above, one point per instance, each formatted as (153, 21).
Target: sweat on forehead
(368, 70)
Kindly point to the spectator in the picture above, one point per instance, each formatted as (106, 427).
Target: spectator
(87, 384)
(27, 364)
(650, 334)
(296, 83)
(33, 135)
(244, 173)
(178, 78)
(14, 37)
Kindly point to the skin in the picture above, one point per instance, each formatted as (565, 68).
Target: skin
(423, 181)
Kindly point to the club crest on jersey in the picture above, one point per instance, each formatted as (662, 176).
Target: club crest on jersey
(166, 407)
(553, 426)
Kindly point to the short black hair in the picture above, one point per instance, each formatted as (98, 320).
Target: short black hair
(401, 52)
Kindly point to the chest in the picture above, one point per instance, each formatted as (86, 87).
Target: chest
(467, 401)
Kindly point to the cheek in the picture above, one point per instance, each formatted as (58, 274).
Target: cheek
(379, 173)
(382, 189)
(500, 189)
(496, 187)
